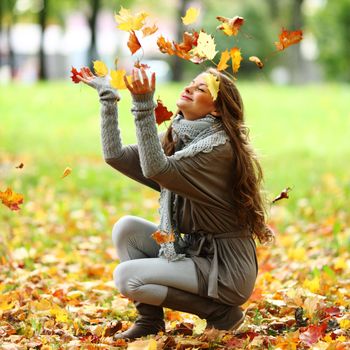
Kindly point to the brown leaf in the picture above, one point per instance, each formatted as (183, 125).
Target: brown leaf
(283, 194)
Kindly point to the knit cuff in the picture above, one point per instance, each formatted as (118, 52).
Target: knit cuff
(142, 105)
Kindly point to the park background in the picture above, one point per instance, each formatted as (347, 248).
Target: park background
(56, 255)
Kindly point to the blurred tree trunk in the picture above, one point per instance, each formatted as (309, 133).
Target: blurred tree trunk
(95, 7)
(1, 33)
(177, 63)
(297, 61)
(273, 8)
(42, 22)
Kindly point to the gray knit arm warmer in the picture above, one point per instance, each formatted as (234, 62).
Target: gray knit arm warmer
(152, 157)
(110, 134)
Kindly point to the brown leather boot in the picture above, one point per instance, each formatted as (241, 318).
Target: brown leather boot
(219, 316)
(150, 321)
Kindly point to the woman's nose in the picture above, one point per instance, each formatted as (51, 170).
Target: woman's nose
(187, 89)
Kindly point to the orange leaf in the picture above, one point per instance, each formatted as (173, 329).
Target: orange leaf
(133, 43)
(161, 113)
(183, 48)
(283, 194)
(230, 26)
(149, 30)
(74, 75)
(288, 38)
(235, 54)
(165, 46)
(138, 64)
(257, 61)
(11, 199)
(162, 237)
(225, 56)
(66, 172)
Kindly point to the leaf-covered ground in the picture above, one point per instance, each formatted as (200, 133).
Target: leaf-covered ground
(57, 290)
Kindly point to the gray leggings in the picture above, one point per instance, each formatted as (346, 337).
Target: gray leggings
(141, 275)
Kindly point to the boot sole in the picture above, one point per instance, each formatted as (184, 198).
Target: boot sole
(238, 324)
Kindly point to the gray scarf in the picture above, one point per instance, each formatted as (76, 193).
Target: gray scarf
(192, 137)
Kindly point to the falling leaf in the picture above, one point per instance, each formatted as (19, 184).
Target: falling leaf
(182, 49)
(257, 61)
(11, 199)
(230, 26)
(288, 38)
(225, 56)
(161, 113)
(117, 79)
(149, 344)
(74, 75)
(66, 172)
(190, 16)
(138, 64)
(128, 22)
(213, 85)
(100, 68)
(165, 46)
(235, 54)
(133, 42)
(205, 46)
(283, 194)
(20, 166)
(146, 31)
(162, 237)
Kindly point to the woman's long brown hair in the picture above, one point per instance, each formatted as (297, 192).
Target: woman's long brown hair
(248, 176)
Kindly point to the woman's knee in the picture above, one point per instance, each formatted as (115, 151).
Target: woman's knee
(125, 279)
(122, 229)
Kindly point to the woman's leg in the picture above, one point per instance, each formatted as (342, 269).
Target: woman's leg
(131, 236)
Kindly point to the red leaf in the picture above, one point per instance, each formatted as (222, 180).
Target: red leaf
(283, 194)
(74, 75)
(313, 333)
(161, 112)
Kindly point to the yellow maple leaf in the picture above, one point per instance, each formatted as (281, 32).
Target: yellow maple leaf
(117, 80)
(100, 68)
(225, 56)
(213, 85)
(205, 46)
(128, 22)
(11, 199)
(66, 172)
(190, 16)
(146, 31)
(235, 54)
(150, 344)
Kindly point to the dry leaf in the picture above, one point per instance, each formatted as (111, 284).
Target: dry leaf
(288, 38)
(146, 31)
(235, 54)
(230, 26)
(117, 79)
(283, 194)
(225, 56)
(74, 75)
(161, 112)
(213, 85)
(133, 42)
(149, 344)
(11, 199)
(163, 237)
(66, 172)
(205, 46)
(190, 16)
(100, 68)
(257, 61)
(128, 22)
(20, 166)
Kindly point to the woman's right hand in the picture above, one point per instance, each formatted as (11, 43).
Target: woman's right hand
(98, 83)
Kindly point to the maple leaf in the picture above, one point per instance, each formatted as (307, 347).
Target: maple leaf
(162, 237)
(283, 194)
(133, 42)
(257, 61)
(230, 26)
(146, 31)
(189, 40)
(288, 38)
(66, 172)
(225, 56)
(165, 46)
(313, 333)
(190, 16)
(205, 46)
(100, 68)
(161, 113)
(235, 54)
(11, 199)
(128, 22)
(213, 85)
(138, 64)
(117, 79)
(150, 344)
(74, 75)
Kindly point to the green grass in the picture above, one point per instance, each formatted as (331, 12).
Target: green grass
(299, 132)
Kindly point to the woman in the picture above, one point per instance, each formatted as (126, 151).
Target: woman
(210, 201)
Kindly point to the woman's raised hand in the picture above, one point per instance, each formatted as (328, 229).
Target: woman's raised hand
(140, 86)
(86, 76)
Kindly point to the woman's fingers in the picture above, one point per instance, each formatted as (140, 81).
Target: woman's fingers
(128, 86)
(153, 81)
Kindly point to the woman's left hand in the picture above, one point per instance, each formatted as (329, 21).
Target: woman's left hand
(140, 86)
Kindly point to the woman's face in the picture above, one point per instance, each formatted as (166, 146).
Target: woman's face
(195, 100)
